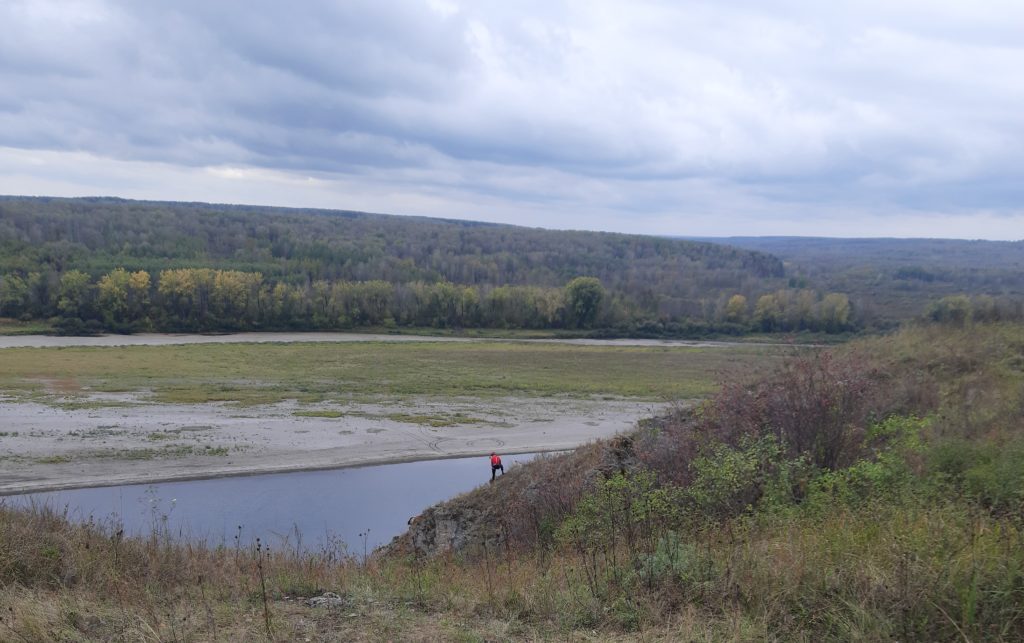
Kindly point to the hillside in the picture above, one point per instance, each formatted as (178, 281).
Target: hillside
(872, 492)
(95, 264)
(893, 279)
(98, 234)
(317, 269)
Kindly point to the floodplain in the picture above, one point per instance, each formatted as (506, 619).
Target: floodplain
(86, 416)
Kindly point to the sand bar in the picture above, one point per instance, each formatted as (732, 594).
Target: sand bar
(45, 447)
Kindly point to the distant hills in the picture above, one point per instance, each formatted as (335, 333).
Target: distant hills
(115, 264)
(896, 278)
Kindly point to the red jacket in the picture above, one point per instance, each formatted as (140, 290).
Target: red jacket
(495, 461)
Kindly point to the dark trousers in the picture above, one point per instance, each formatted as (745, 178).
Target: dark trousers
(494, 469)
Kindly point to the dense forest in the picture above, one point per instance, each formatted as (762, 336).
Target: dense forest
(103, 263)
(93, 264)
(894, 279)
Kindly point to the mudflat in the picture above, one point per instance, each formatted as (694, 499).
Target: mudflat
(92, 412)
(47, 448)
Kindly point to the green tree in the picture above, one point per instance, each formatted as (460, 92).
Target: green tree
(834, 312)
(123, 296)
(583, 296)
(767, 313)
(14, 296)
(75, 295)
(954, 310)
(177, 292)
(232, 296)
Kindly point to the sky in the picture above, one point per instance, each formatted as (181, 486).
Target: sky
(743, 117)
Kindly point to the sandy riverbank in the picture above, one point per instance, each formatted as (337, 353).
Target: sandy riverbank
(45, 447)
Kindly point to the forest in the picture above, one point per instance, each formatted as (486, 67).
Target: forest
(110, 264)
(106, 264)
(895, 279)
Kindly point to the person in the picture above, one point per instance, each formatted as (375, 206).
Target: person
(495, 465)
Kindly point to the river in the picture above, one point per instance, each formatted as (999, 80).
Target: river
(355, 509)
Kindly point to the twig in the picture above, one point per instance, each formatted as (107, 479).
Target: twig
(950, 619)
(263, 589)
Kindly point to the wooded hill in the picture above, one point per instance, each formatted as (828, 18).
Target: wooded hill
(893, 279)
(104, 263)
(130, 265)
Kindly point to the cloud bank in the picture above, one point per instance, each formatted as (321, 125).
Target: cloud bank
(688, 118)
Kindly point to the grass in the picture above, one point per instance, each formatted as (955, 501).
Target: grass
(918, 537)
(54, 459)
(435, 420)
(98, 432)
(86, 405)
(144, 453)
(253, 374)
(905, 572)
(10, 326)
(319, 414)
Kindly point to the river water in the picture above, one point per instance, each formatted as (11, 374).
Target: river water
(357, 508)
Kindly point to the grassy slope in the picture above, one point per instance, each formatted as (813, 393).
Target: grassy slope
(906, 542)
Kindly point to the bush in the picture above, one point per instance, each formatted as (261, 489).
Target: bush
(730, 480)
(681, 565)
(990, 474)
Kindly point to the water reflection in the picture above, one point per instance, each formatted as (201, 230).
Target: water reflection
(358, 508)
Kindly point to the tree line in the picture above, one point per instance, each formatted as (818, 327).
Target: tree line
(670, 277)
(896, 279)
(206, 299)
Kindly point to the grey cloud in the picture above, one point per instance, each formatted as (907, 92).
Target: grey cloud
(650, 105)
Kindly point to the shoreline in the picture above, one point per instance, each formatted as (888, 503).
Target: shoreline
(146, 443)
(177, 339)
(258, 471)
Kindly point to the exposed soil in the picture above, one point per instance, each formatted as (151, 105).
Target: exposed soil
(105, 439)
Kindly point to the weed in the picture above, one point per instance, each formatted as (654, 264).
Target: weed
(904, 523)
(54, 459)
(262, 374)
(319, 414)
(436, 421)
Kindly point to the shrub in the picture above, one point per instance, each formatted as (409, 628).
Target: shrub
(727, 480)
(676, 564)
(990, 474)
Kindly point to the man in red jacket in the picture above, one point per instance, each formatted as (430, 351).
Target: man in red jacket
(495, 465)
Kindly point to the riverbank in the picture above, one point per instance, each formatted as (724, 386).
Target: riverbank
(135, 441)
(78, 412)
(172, 339)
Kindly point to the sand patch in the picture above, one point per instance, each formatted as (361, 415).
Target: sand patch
(50, 447)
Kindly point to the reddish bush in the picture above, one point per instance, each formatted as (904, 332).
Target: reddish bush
(818, 405)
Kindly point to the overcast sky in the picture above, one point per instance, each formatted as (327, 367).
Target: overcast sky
(745, 117)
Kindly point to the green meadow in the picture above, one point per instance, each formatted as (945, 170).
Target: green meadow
(268, 373)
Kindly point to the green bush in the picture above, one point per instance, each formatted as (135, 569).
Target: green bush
(997, 482)
(990, 474)
(684, 565)
(730, 480)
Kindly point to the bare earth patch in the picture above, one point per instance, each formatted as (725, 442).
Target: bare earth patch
(93, 444)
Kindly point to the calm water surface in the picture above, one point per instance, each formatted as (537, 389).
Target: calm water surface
(359, 507)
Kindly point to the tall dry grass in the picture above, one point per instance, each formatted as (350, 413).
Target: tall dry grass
(912, 529)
